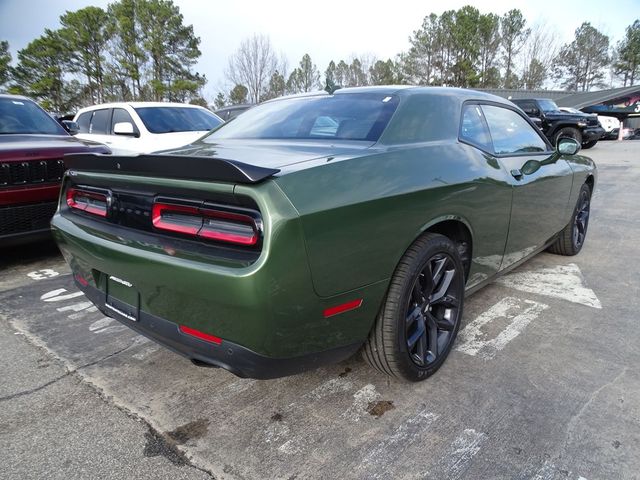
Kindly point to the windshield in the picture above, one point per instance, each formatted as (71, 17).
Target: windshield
(548, 105)
(20, 116)
(347, 116)
(177, 119)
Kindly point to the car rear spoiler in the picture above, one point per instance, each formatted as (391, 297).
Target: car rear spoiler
(170, 166)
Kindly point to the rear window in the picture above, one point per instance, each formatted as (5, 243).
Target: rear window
(22, 116)
(353, 116)
(177, 119)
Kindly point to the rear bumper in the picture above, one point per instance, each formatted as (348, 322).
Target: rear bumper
(235, 358)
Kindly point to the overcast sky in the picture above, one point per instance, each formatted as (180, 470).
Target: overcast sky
(326, 30)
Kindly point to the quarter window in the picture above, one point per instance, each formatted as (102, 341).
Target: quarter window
(511, 133)
(474, 127)
(84, 121)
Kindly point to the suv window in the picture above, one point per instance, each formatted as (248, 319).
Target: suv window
(100, 122)
(474, 127)
(83, 122)
(121, 115)
(510, 132)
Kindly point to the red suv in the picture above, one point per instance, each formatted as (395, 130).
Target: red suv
(32, 145)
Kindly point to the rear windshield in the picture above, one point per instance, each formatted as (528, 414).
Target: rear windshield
(177, 119)
(352, 116)
(22, 116)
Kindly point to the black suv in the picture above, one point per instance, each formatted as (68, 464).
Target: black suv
(555, 124)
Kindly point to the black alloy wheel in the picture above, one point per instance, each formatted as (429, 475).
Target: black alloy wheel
(581, 219)
(432, 311)
(421, 315)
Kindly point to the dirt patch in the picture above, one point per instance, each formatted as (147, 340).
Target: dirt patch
(184, 433)
(379, 408)
(276, 417)
(157, 446)
(345, 373)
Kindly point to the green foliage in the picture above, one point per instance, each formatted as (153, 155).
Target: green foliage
(514, 35)
(238, 95)
(382, 73)
(304, 78)
(220, 101)
(277, 86)
(5, 61)
(85, 35)
(627, 64)
(581, 64)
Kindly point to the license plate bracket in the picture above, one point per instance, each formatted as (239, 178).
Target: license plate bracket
(122, 298)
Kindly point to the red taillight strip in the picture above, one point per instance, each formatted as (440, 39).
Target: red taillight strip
(72, 203)
(202, 230)
(345, 307)
(159, 222)
(201, 335)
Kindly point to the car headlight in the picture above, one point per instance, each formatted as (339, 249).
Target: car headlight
(582, 124)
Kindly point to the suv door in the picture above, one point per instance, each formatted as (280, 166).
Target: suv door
(541, 181)
(123, 144)
(95, 125)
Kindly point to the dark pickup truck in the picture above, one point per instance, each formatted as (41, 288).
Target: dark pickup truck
(556, 124)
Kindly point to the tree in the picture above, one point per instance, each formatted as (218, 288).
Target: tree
(342, 73)
(85, 35)
(538, 55)
(252, 65)
(357, 75)
(305, 78)
(172, 48)
(581, 64)
(5, 61)
(238, 95)
(489, 44)
(330, 73)
(40, 74)
(514, 34)
(277, 86)
(128, 57)
(627, 64)
(220, 101)
(382, 73)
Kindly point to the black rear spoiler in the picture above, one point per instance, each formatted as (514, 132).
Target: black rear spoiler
(170, 166)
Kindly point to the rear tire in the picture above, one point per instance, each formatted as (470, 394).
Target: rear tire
(421, 315)
(567, 132)
(589, 144)
(572, 237)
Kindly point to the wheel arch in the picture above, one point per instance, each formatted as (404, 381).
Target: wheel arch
(459, 231)
(591, 181)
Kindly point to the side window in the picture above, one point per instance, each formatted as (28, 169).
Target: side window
(100, 122)
(121, 115)
(510, 132)
(474, 128)
(83, 122)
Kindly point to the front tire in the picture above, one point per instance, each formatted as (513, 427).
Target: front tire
(420, 318)
(589, 144)
(572, 237)
(568, 132)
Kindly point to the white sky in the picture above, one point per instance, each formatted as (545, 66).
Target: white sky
(331, 30)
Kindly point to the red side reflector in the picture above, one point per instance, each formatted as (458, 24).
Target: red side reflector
(81, 280)
(345, 307)
(201, 335)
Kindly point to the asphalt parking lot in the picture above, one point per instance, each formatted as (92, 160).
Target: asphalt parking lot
(544, 381)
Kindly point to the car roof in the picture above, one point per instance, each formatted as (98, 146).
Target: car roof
(139, 105)
(15, 97)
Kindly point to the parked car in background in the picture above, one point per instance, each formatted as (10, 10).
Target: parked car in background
(231, 112)
(143, 127)
(32, 145)
(312, 227)
(556, 124)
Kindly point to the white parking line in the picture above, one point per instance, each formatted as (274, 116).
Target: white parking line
(562, 281)
(76, 307)
(57, 295)
(463, 449)
(472, 340)
(361, 400)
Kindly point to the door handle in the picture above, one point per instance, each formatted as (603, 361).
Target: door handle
(517, 174)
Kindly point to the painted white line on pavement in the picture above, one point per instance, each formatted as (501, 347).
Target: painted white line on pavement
(57, 295)
(76, 307)
(464, 448)
(361, 400)
(472, 340)
(98, 324)
(562, 281)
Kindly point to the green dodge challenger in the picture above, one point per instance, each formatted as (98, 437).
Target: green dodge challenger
(314, 226)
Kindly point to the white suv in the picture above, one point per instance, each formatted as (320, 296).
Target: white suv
(144, 127)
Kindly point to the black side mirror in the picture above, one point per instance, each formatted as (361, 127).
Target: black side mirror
(70, 126)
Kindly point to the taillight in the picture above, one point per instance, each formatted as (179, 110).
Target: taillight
(88, 201)
(207, 222)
